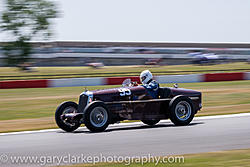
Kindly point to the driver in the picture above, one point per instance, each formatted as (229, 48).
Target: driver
(151, 85)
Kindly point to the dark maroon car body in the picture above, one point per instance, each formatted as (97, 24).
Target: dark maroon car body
(132, 103)
(144, 107)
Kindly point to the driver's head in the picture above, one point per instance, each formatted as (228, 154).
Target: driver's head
(146, 76)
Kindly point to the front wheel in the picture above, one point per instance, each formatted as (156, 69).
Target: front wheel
(66, 108)
(150, 122)
(97, 116)
(181, 110)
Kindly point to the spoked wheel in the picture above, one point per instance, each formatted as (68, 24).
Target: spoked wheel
(97, 117)
(66, 108)
(151, 122)
(181, 110)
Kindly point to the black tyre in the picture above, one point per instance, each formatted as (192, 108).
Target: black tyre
(181, 110)
(150, 122)
(66, 108)
(97, 116)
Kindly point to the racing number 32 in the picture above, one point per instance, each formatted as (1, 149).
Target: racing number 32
(124, 92)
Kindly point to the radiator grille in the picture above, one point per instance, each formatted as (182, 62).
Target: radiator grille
(83, 100)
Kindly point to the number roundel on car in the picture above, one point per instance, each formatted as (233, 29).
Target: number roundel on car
(124, 92)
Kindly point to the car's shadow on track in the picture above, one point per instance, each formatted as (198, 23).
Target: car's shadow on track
(130, 127)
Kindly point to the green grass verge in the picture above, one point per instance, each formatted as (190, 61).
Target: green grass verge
(7, 73)
(233, 158)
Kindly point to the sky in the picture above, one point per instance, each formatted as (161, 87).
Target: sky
(152, 21)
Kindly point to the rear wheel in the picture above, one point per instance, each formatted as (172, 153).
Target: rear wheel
(150, 122)
(97, 117)
(181, 110)
(66, 108)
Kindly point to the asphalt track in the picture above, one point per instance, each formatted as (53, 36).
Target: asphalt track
(204, 134)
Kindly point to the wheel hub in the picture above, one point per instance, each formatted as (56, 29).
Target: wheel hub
(98, 116)
(183, 110)
(68, 110)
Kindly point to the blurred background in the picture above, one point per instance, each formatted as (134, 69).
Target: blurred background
(125, 53)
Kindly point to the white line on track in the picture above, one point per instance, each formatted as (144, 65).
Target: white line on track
(131, 123)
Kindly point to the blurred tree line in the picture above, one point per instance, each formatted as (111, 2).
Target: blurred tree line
(24, 21)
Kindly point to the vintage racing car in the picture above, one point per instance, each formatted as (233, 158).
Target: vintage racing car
(97, 109)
